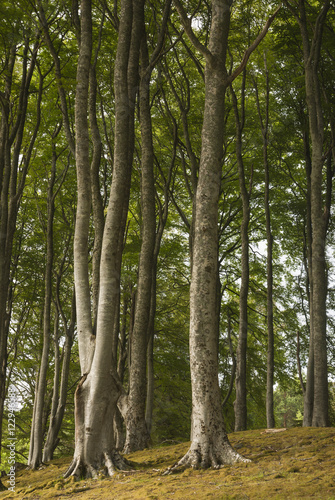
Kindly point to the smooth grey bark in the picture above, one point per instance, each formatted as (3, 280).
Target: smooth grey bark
(210, 445)
(319, 211)
(309, 388)
(264, 123)
(99, 389)
(240, 405)
(137, 435)
(60, 387)
(36, 437)
(97, 202)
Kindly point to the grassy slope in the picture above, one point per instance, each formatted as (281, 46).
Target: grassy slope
(295, 464)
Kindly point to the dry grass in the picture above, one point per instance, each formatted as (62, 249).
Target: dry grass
(295, 464)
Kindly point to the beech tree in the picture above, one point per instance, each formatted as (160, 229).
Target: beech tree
(316, 397)
(210, 445)
(99, 389)
(13, 166)
(163, 157)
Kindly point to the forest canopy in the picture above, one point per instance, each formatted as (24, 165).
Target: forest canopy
(167, 239)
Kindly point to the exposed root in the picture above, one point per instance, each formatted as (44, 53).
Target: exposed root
(209, 457)
(110, 464)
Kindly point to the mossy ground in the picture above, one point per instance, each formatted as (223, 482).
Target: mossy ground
(295, 464)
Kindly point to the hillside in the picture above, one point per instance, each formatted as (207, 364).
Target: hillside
(293, 464)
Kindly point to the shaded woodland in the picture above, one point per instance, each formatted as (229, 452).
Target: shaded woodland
(166, 230)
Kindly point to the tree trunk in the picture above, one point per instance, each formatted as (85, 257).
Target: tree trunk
(264, 122)
(97, 203)
(309, 389)
(36, 440)
(59, 403)
(98, 391)
(319, 212)
(241, 354)
(11, 186)
(137, 436)
(210, 445)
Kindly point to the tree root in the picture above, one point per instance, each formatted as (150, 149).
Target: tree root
(110, 463)
(213, 457)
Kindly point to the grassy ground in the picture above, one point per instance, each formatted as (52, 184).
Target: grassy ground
(294, 464)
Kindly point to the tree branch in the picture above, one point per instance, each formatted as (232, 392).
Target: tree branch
(187, 25)
(252, 47)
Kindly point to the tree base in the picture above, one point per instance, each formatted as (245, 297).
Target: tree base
(110, 463)
(205, 456)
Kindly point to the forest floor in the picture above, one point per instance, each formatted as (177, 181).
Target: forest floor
(295, 464)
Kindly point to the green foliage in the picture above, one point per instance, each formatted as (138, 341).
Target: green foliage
(177, 99)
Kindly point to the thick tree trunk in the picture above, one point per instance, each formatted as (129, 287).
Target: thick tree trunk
(210, 446)
(319, 214)
(98, 391)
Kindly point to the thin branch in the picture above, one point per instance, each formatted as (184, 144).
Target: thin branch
(187, 25)
(252, 47)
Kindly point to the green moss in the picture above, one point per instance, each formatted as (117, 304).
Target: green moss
(297, 463)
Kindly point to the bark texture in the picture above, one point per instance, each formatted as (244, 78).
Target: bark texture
(210, 446)
(99, 389)
(264, 123)
(319, 217)
(36, 437)
(240, 405)
(137, 435)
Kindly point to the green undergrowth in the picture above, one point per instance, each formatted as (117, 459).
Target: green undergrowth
(297, 463)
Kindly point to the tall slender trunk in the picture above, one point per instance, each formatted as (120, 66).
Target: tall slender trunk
(241, 354)
(11, 186)
(60, 388)
(319, 210)
(36, 440)
(137, 436)
(270, 419)
(264, 122)
(309, 389)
